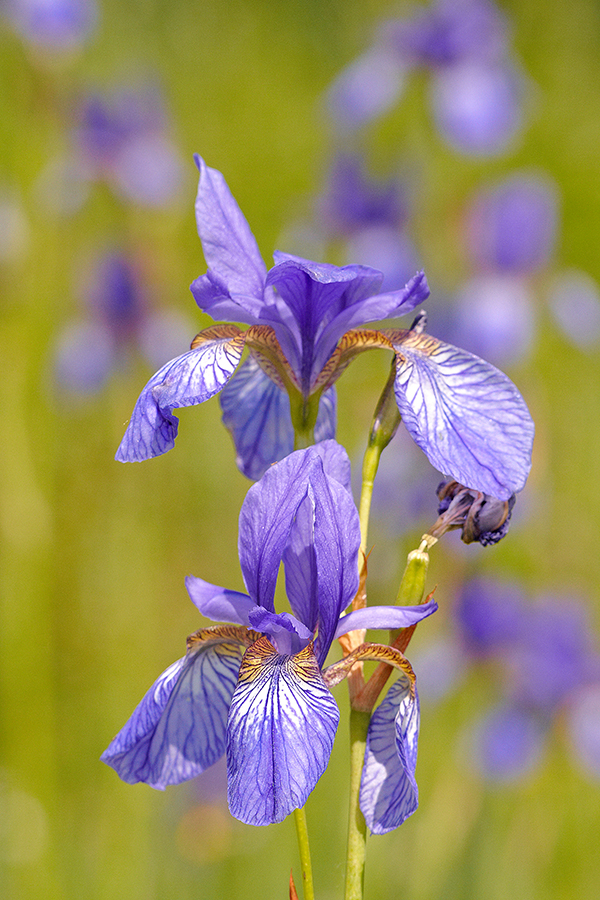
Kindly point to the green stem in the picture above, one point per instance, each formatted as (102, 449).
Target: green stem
(304, 413)
(383, 428)
(303, 846)
(370, 466)
(357, 827)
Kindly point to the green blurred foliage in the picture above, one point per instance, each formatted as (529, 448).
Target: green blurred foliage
(93, 553)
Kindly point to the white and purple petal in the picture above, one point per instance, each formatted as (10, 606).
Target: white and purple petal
(280, 732)
(467, 416)
(179, 728)
(185, 381)
(388, 790)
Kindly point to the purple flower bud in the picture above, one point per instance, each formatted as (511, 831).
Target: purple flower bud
(480, 517)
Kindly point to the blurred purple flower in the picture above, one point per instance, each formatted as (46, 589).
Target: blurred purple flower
(121, 139)
(494, 317)
(574, 301)
(478, 107)
(476, 90)
(548, 666)
(352, 200)
(583, 723)
(58, 26)
(365, 89)
(507, 743)
(448, 32)
(510, 234)
(370, 215)
(490, 615)
(512, 225)
(118, 319)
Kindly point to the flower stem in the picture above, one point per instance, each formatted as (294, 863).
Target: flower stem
(357, 827)
(304, 412)
(303, 846)
(383, 428)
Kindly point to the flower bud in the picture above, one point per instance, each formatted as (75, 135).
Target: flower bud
(479, 516)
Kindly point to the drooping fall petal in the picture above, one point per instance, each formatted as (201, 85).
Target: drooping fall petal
(388, 790)
(185, 381)
(179, 728)
(280, 733)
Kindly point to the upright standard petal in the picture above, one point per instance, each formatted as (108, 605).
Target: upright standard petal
(281, 728)
(230, 249)
(297, 511)
(179, 728)
(185, 381)
(388, 789)
(467, 416)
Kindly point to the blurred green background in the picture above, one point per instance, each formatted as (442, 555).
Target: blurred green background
(93, 553)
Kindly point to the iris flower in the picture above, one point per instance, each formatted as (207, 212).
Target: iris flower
(256, 689)
(467, 416)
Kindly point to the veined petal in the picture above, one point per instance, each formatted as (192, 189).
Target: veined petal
(300, 561)
(467, 416)
(229, 246)
(217, 603)
(257, 413)
(300, 557)
(266, 519)
(185, 381)
(281, 728)
(388, 790)
(179, 728)
(388, 617)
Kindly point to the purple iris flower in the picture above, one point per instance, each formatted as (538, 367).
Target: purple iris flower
(256, 689)
(467, 416)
